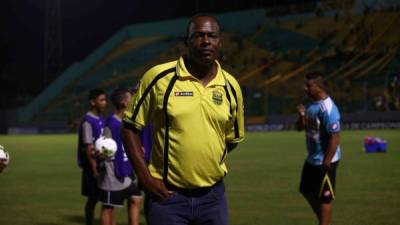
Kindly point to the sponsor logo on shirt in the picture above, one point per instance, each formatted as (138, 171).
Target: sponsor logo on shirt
(334, 126)
(183, 93)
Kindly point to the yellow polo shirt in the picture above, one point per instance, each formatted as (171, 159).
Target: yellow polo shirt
(191, 123)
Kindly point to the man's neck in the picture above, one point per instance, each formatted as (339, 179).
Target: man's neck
(322, 96)
(95, 112)
(205, 73)
(119, 113)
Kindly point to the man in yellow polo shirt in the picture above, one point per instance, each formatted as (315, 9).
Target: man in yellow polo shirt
(196, 109)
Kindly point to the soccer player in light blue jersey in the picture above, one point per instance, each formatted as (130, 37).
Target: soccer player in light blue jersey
(321, 121)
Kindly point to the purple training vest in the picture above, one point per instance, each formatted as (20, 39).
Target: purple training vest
(97, 125)
(121, 163)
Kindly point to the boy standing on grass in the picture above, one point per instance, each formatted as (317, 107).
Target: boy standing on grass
(321, 121)
(115, 181)
(90, 129)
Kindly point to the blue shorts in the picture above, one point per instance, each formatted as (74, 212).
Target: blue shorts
(190, 206)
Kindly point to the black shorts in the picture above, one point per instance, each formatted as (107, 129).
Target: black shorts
(137, 190)
(138, 184)
(117, 198)
(89, 184)
(318, 183)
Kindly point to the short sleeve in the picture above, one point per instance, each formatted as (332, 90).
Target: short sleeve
(139, 109)
(331, 120)
(87, 133)
(235, 130)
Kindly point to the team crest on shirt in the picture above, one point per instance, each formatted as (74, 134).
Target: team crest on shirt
(217, 97)
(183, 93)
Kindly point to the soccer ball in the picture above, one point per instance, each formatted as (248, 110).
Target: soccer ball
(4, 155)
(106, 146)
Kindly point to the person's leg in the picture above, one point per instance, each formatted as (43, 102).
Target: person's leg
(327, 194)
(213, 207)
(134, 197)
(322, 210)
(310, 183)
(90, 191)
(325, 215)
(146, 206)
(114, 219)
(176, 210)
(134, 205)
(110, 200)
(89, 210)
(314, 204)
(107, 215)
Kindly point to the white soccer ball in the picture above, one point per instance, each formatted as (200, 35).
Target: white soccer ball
(4, 155)
(106, 146)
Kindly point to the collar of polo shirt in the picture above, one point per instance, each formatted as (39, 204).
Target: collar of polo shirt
(219, 79)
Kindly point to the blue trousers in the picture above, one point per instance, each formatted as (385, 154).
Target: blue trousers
(200, 206)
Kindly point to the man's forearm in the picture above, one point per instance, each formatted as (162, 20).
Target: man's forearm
(334, 141)
(133, 148)
(92, 161)
(300, 123)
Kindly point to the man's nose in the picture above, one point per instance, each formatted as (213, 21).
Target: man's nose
(206, 40)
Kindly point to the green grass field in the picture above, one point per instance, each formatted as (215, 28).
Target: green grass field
(42, 184)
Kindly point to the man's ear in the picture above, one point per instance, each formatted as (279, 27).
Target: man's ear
(92, 102)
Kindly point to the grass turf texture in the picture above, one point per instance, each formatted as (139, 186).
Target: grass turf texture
(42, 184)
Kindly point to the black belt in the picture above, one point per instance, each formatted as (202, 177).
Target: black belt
(193, 191)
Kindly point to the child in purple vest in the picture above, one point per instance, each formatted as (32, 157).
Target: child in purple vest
(90, 129)
(116, 180)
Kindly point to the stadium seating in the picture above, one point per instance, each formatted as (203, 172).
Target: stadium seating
(269, 56)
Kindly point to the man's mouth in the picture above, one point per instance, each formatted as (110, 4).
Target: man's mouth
(205, 52)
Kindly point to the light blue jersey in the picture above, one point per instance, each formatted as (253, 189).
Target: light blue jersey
(322, 120)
